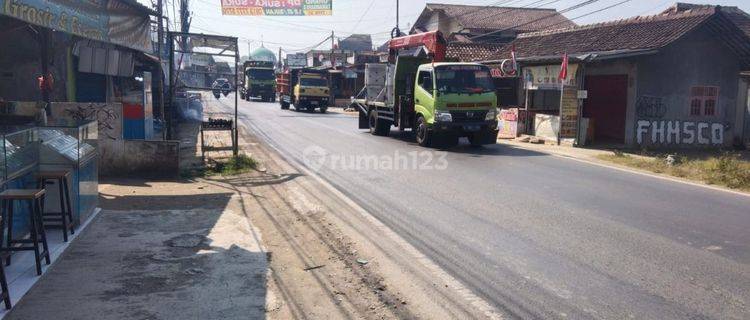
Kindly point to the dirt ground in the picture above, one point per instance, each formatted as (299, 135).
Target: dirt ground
(328, 261)
(269, 244)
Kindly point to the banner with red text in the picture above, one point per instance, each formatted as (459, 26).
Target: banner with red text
(277, 7)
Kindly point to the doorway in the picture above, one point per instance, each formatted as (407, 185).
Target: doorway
(606, 106)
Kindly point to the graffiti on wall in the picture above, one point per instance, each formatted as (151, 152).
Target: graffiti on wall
(650, 107)
(109, 116)
(674, 132)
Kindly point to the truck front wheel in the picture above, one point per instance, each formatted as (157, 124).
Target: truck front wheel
(378, 127)
(424, 136)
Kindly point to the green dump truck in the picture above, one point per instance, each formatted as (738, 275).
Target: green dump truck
(259, 81)
(441, 102)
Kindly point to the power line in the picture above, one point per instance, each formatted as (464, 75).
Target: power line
(571, 8)
(602, 9)
(363, 15)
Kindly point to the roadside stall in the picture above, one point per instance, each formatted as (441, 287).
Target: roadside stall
(552, 101)
(56, 81)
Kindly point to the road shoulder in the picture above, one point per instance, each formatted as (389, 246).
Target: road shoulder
(594, 157)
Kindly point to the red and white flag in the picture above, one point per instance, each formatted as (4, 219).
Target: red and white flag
(564, 68)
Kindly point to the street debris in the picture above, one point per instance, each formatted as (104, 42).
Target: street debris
(314, 268)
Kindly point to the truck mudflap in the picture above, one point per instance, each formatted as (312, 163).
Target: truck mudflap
(363, 121)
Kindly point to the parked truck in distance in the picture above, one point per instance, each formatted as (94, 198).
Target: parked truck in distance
(439, 101)
(306, 89)
(259, 81)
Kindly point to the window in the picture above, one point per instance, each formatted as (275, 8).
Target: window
(703, 101)
(464, 79)
(313, 82)
(425, 80)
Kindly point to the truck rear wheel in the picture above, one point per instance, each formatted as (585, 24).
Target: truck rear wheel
(378, 127)
(323, 109)
(424, 136)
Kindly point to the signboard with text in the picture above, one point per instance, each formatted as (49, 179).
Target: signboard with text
(101, 20)
(546, 77)
(296, 60)
(569, 112)
(277, 7)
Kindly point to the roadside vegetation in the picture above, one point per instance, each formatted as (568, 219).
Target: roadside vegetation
(229, 167)
(727, 169)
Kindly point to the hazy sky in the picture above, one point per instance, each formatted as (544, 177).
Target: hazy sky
(378, 17)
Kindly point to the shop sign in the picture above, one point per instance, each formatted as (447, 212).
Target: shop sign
(297, 60)
(101, 20)
(508, 123)
(277, 7)
(569, 113)
(546, 77)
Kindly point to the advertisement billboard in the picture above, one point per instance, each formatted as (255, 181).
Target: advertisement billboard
(296, 60)
(101, 20)
(276, 7)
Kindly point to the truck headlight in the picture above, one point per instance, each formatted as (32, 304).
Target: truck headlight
(444, 117)
(491, 115)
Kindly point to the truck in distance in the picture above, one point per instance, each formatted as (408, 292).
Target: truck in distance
(439, 101)
(306, 89)
(259, 81)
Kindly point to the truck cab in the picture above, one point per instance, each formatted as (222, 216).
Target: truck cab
(311, 92)
(453, 100)
(260, 81)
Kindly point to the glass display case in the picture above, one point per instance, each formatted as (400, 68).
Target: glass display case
(19, 161)
(20, 152)
(73, 147)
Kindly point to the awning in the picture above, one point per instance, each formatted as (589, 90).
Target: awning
(111, 21)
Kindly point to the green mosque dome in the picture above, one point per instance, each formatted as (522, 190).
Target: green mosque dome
(263, 54)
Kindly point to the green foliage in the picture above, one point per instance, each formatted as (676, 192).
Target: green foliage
(234, 166)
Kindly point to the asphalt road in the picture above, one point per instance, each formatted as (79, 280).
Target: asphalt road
(537, 236)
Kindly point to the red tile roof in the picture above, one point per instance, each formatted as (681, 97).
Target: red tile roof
(639, 33)
(496, 18)
(466, 51)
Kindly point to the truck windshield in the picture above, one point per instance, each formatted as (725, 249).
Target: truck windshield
(260, 74)
(313, 82)
(464, 79)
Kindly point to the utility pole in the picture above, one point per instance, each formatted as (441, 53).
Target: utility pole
(159, 43)
(281, 64)
(397, 17)
(184, 16)
(333, 47)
